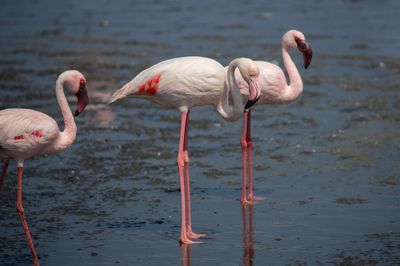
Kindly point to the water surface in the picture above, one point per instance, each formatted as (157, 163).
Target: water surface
(327, 164)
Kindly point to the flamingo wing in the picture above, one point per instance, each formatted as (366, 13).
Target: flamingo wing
(25, 132)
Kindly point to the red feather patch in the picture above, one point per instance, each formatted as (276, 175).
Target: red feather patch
(20, 137)
(36, 134)
(150, 87)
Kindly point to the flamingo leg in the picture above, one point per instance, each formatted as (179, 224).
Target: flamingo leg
(186, 160)
(3, 175)
(181, 170)
(21, 214)
(243, 143)
(249, 141)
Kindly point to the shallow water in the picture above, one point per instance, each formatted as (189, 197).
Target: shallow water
(327, 164)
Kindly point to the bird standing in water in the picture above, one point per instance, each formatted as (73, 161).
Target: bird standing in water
(186, 82)
(274, 90)
(26, 133)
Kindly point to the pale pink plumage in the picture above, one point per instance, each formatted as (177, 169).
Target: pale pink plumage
(186, 82)
(274, 89)
(25, 133)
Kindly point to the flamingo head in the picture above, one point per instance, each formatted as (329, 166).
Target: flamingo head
(82, 96)
(76, 82)
(296, 39)
(250, 72)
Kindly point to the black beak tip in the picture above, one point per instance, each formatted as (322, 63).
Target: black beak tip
(77, 113)
(249, 103)
(306, 65)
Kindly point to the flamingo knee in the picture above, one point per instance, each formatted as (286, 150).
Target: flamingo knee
(186, 157)
(243, 143)
(180, 160)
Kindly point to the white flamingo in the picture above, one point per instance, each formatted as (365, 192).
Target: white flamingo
(186, 82)
(25, 133)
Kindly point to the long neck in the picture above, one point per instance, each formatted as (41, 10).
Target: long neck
(295, 86)
(67, 136)
(234, 111)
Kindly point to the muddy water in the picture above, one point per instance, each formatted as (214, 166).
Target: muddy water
(327, 164)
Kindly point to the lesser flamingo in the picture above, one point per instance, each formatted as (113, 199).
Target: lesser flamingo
(26, 133)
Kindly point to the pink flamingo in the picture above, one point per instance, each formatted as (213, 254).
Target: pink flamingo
(25, 133)
(274, 90)
(186, 82)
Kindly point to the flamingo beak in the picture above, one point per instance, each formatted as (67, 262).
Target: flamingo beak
(255, 92)
(306, 50)
(83, 98)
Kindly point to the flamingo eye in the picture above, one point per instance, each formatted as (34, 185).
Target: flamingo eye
(82, 84)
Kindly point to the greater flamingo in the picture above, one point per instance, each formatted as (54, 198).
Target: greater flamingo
(274, 90)
(186, 82)
(25, 133)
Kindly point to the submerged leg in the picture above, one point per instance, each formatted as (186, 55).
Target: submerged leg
(3, 174)
(186, 160)
(249, 142)
(181, 169)
(21, 213)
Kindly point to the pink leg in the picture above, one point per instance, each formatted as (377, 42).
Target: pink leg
(181, 169)
(251, 196)
(190, 233)
(21, 213)
(243, 143)
(3, 175)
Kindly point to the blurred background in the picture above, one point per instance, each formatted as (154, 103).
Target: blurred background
(327, 164)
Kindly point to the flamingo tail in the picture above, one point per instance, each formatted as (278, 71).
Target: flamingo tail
(119, 94)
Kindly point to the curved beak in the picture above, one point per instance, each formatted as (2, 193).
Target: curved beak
(306, 50)
(254, 92)
(83, 98)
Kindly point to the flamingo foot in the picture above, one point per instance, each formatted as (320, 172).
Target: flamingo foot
(186, 240)
(190, 234)
(255, 198)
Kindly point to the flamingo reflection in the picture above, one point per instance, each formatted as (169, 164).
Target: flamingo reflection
(248, 240)
(186, 254)
(248, 235)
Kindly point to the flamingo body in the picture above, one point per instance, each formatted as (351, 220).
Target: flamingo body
(273, 85)
(25, 133)
(181, 84)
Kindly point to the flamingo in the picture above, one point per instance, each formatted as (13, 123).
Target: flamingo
(25, 133)
(274, 90)
(186, 82)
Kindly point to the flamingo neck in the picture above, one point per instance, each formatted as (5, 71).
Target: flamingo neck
(234, 111)
(295, 86)
(67, 136)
